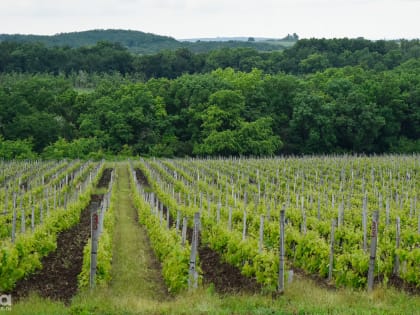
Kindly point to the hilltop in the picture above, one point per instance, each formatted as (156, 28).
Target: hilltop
(148, 43)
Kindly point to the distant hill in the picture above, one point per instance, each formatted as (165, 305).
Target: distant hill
(147, 43)
(134, 40)
(289, 38)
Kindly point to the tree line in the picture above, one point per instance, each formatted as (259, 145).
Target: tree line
(314, 102)
(306, 56)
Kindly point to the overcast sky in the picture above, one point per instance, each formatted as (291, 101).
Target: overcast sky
(372, 19)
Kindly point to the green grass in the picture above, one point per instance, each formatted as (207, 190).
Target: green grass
(301, 297)
(38, 306)
(136, 288)
(132, 271)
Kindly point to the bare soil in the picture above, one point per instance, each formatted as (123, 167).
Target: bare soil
(400, 284)
(105, 179)
(142, 179)
(225, 277)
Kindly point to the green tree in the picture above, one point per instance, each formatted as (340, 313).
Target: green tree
(257, 138)
(18, 149)
(314, 63)
(222, 143)
(77, 149)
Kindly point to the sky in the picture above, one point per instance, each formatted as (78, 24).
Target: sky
(371, 19)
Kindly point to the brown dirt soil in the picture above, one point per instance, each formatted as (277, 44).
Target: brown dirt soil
(225, 277)
(400, 284)
(106, 177)
(142, 178)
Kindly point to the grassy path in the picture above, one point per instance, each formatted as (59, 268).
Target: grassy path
(135, 271)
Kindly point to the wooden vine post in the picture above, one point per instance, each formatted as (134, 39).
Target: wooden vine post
(397, 245)
(303, 227)
(22, 216)
(261, 238)
(33, 218)
(6, 201)
(184, 231)
(280, 285)
(168, 221)
(373, 246)
(14, 218)
(364, 223)
(244, 226)
(331, 264)
(230, 219)
(193, 274)
(244, 218)
(94, 231)
(219, 206)
(178, 220)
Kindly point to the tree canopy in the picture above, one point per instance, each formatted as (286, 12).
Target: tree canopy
(321, 96)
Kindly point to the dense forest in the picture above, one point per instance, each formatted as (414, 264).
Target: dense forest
(319, 96)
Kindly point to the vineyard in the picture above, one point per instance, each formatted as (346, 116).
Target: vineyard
(328, 203)
(40, 200)
(239, 226)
